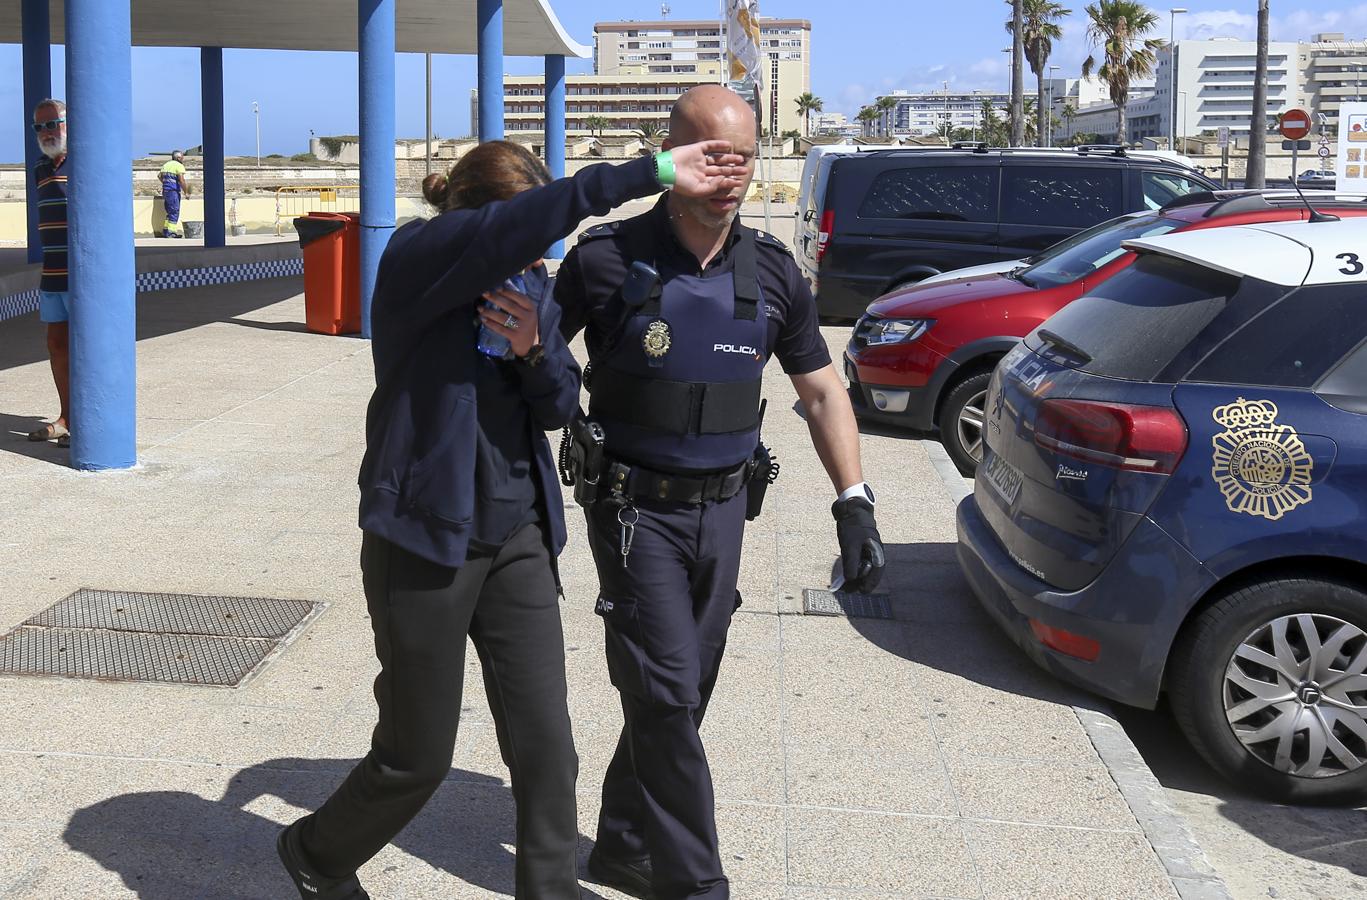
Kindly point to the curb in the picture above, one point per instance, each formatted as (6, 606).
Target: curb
(1191, 874)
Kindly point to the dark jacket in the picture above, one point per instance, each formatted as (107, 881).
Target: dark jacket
(418, 476)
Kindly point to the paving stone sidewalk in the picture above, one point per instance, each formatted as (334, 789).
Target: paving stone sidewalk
(920, 756)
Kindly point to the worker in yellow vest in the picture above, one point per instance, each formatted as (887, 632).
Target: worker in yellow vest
(173, 187)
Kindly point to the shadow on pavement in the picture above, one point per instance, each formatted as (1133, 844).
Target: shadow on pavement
(1325, 835)
(23, 339)
(941, 626)
(173, 845)
(14, 438)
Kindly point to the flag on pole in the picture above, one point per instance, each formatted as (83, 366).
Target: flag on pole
(742, 43)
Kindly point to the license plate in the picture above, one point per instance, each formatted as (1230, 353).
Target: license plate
(1003, 478)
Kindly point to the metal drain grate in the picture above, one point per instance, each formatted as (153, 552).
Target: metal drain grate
(245, 617)
(167, 638)
(818, 602)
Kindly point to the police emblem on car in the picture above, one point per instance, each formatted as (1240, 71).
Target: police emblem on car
(657, 339)
(1261, 467)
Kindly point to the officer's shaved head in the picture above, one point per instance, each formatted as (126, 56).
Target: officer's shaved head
(710, 112)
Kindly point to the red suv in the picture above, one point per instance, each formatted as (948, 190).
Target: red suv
(922, 356)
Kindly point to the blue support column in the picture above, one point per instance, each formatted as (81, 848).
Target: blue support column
(555, 129)
(99, 89)
(37, 37)
(490, 65)
(211, 104)
(377, 142)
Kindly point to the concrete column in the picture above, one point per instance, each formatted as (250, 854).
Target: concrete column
(99, 92)
(555, 129)
(211, 104)
(377, 142)
(37, 37)
(490, 66)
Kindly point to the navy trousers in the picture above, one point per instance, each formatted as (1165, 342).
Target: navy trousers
(666, 616)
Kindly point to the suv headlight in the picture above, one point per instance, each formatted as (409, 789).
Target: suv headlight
(895, 331)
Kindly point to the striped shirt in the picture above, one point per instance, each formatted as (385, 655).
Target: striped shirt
(51, 181)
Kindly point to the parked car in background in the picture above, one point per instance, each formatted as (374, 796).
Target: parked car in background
(882, 220)
(1174, 498)
(1320, 179)
(809, 173)
(922, 357)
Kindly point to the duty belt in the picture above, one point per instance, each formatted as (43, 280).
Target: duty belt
(640, 483)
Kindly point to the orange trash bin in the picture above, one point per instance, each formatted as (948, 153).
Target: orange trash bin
(330, 244)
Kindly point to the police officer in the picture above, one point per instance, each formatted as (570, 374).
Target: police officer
(675, 380)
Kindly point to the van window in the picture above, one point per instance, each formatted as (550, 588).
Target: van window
(943, 193)
(1161, 188)
(1064, 196)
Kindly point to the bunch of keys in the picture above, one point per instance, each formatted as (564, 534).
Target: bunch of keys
(628, 529)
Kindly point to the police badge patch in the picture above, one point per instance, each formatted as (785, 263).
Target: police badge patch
(1262, 468)
(657, 339)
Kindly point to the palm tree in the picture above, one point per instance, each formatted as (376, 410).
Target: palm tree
(1017, 87)
(885, 106)
(990, 125)
(1256, 176)
(596, 124)
(807, 103)
(1041, 29)
(1118, 29)
(650, 132)
(1069, 113)
(866, 116)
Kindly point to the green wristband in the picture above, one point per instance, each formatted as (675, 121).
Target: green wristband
(664, 168)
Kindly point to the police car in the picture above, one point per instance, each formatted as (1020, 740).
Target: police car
(1173, 497)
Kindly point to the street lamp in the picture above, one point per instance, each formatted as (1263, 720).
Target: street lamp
(1049, 111)
(1172, 74)
(1183, 95)
(256, 111)
(949, 128)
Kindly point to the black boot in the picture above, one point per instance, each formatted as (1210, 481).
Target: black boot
(631, 876)
(309, 881)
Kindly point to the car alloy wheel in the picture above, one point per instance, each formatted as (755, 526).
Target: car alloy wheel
(1295, 695)
(970, 428)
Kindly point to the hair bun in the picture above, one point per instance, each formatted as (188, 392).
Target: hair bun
(435, 189)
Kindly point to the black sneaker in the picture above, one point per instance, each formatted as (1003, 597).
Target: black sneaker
(631, 876)
(310, 883)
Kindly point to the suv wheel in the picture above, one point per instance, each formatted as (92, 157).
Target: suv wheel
(1270, 686)
(961, 422)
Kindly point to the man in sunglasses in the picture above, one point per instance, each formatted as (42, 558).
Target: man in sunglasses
(50, 176)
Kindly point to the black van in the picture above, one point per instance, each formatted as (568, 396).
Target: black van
(881, 220)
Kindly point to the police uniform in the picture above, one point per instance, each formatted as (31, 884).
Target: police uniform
(675, 384)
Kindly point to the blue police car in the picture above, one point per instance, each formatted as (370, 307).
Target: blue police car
(1173, 497)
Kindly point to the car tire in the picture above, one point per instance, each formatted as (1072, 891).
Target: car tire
(961, 422)
(1296, 640)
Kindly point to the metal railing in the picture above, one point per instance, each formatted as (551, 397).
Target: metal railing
(299, 200)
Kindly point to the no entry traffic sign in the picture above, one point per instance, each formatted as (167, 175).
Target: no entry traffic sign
(1295, 124)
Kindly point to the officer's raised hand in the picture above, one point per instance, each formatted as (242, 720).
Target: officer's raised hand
(704, 168)
(861, 547)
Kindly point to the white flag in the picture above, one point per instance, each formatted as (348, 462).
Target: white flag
(742, 42)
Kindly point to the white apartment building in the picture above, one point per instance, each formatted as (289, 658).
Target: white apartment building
(1332, 70)
(698, 49)
(1214, 86)
(927, 113)
(602, 105)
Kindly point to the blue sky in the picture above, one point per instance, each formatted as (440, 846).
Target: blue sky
(860, 48)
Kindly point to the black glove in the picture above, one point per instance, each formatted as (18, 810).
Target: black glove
(861, 548)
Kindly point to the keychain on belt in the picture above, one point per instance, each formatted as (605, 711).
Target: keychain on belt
(627, 517)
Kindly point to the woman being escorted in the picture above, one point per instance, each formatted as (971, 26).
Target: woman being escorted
(461, 506)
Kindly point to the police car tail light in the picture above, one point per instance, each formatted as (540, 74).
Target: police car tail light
(823, 236)
(1117, 435)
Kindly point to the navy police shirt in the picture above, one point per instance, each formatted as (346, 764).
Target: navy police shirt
(595, 268)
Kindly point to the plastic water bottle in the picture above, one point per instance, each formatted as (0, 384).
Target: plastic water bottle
(496, 345)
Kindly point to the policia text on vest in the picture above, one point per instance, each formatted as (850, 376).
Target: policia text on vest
(668, 464)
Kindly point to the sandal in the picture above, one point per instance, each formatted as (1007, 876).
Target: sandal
(48, 432)
(64, 440)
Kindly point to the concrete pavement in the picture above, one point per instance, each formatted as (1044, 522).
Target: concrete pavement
(919, 756)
